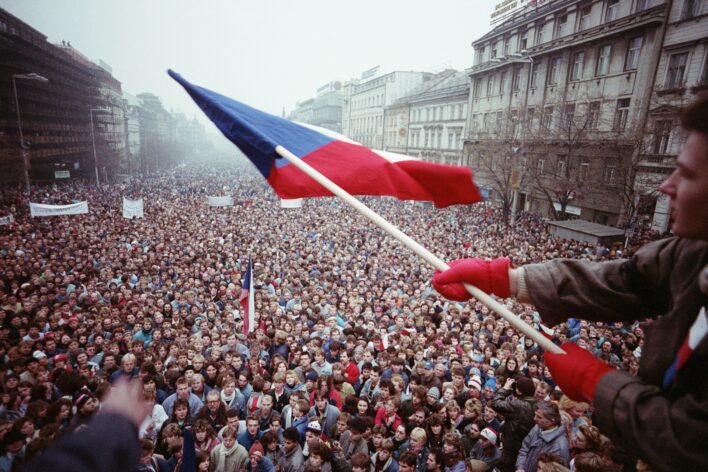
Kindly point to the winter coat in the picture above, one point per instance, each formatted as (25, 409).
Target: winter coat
(537, 442)
(666, 428)
(292, 461)
(518, 418)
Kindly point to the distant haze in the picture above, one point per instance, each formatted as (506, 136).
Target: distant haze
(270, 53)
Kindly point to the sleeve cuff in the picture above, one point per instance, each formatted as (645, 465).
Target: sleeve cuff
(522, 290)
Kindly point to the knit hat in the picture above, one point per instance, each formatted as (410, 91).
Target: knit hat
(257, 447)
(489, 435)
(434, 392)
(526, 386)
(311, 375)
(314, 427)
(491, 383)
(475, 382)
(82, 398)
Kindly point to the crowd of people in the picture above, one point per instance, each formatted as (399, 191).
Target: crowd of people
(356, 362)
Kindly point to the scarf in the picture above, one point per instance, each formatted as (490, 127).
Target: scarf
(226, 399)
(223, 454)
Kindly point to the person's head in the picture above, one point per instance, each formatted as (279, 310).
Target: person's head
(589, 462)
(182, 388)
(418, 438)
(360, 462)
(687, 186)
(546, 415)
(588, 437)
(229, 437)
(407, 461)
(252, 425)
(436, 460)
(291, 439)
(181, 409)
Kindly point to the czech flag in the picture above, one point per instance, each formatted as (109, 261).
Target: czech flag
(247, 301)
(355, 168)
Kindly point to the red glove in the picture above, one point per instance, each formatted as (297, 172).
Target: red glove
(576, 372)
(491, 277)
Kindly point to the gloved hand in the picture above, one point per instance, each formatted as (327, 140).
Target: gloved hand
(491, 277)
(577, 372)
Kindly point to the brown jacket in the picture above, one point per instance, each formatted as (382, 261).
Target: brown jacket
(668, 429)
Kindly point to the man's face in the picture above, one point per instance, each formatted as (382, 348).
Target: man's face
(289, 445)
(417, 444)
(688, 188)
(183, 391)
(252, 427)
(321, 403)
(267, 403)
(229, 442)
(542, 421)
(431, 464)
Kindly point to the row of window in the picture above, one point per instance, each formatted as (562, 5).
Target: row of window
(571, 119)
(368, 102)
(439, 113)
(560, 26)
(420, 138)
(556, 71)
(366, 124)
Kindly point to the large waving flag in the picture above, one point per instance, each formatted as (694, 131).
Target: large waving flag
(247, 300)
(355, 168)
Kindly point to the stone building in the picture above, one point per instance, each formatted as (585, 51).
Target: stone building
(558, 102)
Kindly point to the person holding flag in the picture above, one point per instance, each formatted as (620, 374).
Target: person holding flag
(247, 300)
(661, 415)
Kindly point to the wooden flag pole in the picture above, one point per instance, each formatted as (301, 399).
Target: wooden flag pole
(428, 256)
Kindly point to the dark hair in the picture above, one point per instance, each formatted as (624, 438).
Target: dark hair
(409, 458)
(695, 116)
(291, 434)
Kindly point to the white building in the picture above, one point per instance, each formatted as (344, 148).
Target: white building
(430, 122)
(367, 99)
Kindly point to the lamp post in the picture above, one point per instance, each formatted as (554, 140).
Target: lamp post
(93, 141)
(24, 145)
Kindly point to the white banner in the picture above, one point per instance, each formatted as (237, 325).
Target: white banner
(6, 220)
(132, 208)
(40, 209)
(292, 203)
(225, 201)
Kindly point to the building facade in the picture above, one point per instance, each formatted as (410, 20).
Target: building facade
(558, 102)
(368, 98)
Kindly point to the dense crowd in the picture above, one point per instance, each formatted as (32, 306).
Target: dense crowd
(356, 363)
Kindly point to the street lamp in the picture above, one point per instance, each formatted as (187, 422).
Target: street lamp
(93, 141)
(23, 144)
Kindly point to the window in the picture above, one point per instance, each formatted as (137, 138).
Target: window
(603, 60)
(561, 167)
(641, 5)
(502, 83)
(662, 136)
(584, 20)
(561, 26)
(530, 116)
(704, 75)
(506, 46)
(610, 174)
(677, 70)
(633, 51)
(612, 10)
(534, 75)
(523, 40)
(494, 51)
(621, 113)
(554, 71)
(691, 8)
(547, 119)
(594, 115)
(584, 171)
(569, 114)
(539, 165)
(516, 85)
(490, 85)
(477, 88)
(578, 65)
(539, 34)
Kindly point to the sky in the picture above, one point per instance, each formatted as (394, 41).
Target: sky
(266, 53)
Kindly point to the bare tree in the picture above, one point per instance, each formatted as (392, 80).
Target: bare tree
(498, 158)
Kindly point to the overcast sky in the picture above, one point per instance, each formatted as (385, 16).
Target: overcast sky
(266, 53)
